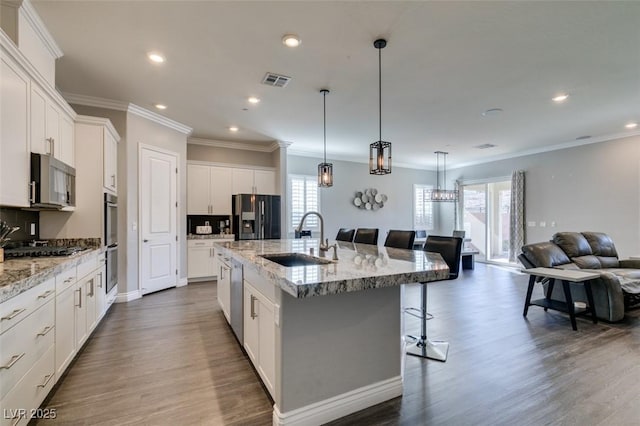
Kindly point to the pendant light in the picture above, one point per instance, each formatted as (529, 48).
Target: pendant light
(325, 170)
(380, 150)
(442, 194)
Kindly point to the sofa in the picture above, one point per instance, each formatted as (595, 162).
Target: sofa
(618, 287)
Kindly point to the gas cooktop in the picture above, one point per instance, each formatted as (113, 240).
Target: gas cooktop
(41, 251)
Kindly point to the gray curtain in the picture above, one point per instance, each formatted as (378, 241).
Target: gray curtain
(517, 225)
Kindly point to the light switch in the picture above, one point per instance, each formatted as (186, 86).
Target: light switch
(553, 224)
(531, 224)
(134, 226)
(543, 224)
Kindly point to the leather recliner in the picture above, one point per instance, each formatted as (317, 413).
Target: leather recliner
(619, 284)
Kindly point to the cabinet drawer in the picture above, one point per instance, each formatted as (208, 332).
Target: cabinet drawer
(29, 393)
(17, 308)
(200, 243)
(24, 344)
(86, 267)
(66, 279)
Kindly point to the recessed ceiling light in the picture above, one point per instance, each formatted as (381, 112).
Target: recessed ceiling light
(233, 128)
(492, 112)
(631, 125)
(156, 57)
(291, 40)
(160, 106)
(253, 100)
(560, 98)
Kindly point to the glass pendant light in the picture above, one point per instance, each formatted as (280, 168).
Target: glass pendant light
(380, 151)
(325, 170)
(442, 194)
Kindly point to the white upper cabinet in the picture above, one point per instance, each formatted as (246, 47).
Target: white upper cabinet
(14, 132)
(198, 189)
(248, 181)
(110, 161)
(243, 181)
(51, 127)
(220, 183)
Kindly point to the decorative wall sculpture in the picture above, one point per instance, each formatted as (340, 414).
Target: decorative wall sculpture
(369, 199)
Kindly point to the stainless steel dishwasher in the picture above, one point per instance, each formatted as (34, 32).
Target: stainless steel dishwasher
(236, 310)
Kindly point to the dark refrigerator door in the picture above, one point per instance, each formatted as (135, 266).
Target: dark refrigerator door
(271, 221)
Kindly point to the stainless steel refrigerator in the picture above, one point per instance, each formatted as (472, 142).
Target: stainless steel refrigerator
(256, 217)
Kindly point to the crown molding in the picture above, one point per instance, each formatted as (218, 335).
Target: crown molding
(96, 102)
(98, 121)
(27, 10)
(549, 148)
(284, 144)
(159, 119)
(354, 159)
(234, 145)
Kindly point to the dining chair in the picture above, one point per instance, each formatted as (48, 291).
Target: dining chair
(449, 249)
(366, 236)
(400, 239)
(345, 234)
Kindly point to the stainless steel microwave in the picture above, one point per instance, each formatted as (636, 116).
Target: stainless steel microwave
(53, 183)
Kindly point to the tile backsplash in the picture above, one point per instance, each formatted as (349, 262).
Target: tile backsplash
(25, 220)
(214, 222)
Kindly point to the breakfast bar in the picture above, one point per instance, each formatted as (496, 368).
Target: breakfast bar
(324, 335)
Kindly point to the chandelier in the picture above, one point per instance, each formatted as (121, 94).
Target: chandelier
(442, 194)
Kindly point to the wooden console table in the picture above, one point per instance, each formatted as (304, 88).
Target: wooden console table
(565, 276)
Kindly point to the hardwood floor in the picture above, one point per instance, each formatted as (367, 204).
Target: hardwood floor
(170, 358)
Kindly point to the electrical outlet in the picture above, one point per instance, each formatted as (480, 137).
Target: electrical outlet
(553, 224)
(543, 224)
(531, 224)
(32, 229)
(134, 226)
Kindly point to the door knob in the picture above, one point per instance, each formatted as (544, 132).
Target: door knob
(145, 241)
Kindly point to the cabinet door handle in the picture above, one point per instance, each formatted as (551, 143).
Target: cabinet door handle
(68, 280)
(99, 276)
(46, 294)
(253, 311)
(13, 314)
(79, 305)
(92, 288)
(113, 181)
(45, 331)
(50, 140)
(47, 379)
(32, 189)
(14, 359)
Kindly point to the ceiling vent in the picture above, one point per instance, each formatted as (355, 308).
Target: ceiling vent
(275, 80)
(485, 146)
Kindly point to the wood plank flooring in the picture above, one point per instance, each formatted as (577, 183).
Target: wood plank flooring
(170, 358)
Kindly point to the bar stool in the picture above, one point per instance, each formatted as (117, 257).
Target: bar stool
(450, 249)
(400, 239)
(366, 236)
(345, 234)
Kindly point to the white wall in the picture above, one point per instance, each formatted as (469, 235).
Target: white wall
(143, 131)
(593, 187)
(349, 177)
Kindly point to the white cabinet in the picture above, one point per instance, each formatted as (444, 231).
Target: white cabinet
(27, 369)
(101, 289)
(208, 190)
(260, 334)
(224, 285)
(66, 301)
(110, 159)
(51, 127)
(248, 181)
(14, 132)
(200, 259)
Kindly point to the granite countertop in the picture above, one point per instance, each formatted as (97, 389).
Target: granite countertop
(360, 266)
(210, 237)
(20, 274)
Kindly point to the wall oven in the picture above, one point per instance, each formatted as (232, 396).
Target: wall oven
(111, 238)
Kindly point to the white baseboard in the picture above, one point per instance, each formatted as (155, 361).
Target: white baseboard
(128, 297)
(182, 282)
(340, 405)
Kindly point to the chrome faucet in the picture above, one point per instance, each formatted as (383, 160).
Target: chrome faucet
(324, 244)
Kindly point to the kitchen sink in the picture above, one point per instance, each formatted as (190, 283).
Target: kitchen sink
(295, 259)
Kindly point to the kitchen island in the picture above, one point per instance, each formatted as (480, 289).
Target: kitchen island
(325, 338)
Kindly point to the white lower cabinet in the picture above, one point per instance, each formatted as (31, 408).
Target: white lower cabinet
(27, 368)
(260, 334)
(65, 324)
(224, 285)
(200, 256)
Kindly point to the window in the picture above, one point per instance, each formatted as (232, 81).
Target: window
(422, 207)
(303, 197)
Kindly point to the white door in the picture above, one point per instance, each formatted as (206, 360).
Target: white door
(158, 225)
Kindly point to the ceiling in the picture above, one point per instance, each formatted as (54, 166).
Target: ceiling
(444, 65)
